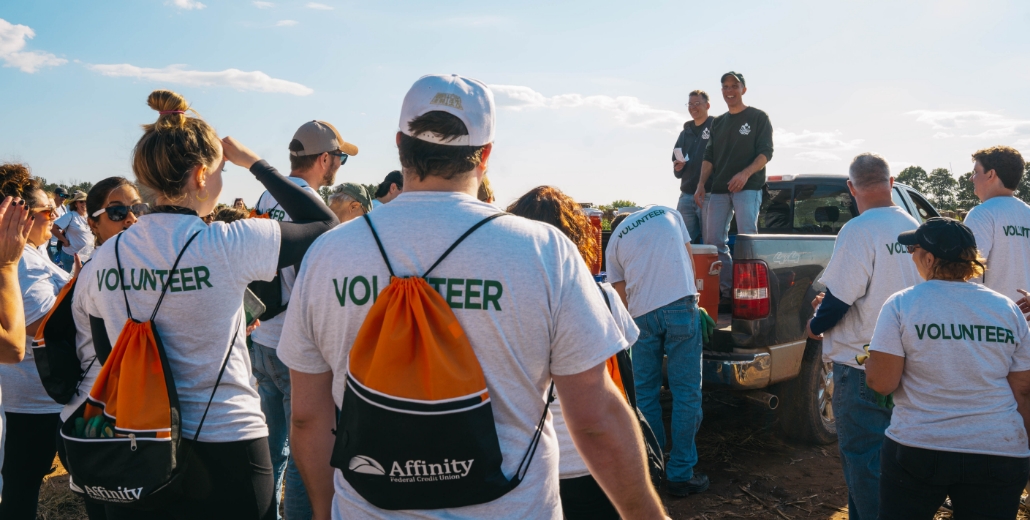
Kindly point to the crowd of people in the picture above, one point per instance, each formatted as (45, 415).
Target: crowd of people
(409, 341)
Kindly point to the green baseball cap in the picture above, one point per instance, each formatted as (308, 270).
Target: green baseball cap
(739, 76)
(356, 192)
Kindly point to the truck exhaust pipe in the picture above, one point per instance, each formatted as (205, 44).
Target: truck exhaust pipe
(765, 399)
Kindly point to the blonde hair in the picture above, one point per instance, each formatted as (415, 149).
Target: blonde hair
(173, 146)
(970, 266)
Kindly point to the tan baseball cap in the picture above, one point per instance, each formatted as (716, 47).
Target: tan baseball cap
(315, 137)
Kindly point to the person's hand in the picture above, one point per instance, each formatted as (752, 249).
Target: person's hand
(699, 195)
(707, 326)
(253, 326)
(236, 153)
(818, 300)
(737, 182)
(678, 165)
(14, 230)
(77, 266)
(1023, 303)
(65, 242)
(808, 330)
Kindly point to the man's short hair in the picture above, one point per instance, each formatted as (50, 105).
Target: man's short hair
(701, 93)
(299, 163)
(393, 177)
(869, 169)
(427, 159)
(1006, 162)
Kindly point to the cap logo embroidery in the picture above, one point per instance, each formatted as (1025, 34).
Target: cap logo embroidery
(746, 129)
(449, 100)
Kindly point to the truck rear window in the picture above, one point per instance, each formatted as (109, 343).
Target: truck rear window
(808, 209)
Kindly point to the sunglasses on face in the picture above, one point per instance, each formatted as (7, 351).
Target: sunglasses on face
(343, 157)
(912, 249)
(50, 211)
(118, 213)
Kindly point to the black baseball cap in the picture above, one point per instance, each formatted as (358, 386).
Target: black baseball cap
(946, 238)
(61, 192)
(739, 76)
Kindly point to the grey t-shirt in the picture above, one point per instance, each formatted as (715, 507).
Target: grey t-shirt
(520, 291)
(648, 251)
(960, 340)
(1001, 226)
(868, 266)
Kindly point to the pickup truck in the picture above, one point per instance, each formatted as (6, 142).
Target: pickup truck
(760, 349)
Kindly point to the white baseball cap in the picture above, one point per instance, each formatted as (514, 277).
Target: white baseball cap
(467, 99)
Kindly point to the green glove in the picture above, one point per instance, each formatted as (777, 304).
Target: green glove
(884, 401)
(707, 326)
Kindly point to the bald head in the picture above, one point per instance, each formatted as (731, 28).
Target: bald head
(869, 170)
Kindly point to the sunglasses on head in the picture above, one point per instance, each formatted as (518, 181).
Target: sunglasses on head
(343, 157)
(118, 213)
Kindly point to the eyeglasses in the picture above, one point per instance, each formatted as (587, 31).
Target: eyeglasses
(343, 157)
(118, 213)
(51, 211)
(912, 249)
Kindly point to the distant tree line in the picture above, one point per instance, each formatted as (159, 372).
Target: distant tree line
(948, 193)
(83, 186)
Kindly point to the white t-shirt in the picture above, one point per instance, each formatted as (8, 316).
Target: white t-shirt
(60, 210)
(40, 281)
(570, 464)
(648, 252)
(868, 266)
(1001, 226)
(270, 330)
(520, 290)
(954, 395)
(76, 230)
(201, 311)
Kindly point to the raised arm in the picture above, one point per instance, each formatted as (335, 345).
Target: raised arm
(14, 231)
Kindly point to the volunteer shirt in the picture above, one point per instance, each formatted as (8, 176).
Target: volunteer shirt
(270, 330)
(40, 280)
(200, 314)
(648, 252)
(84, 350)
(737, 139)
(570, 464)
(76, 230)
(1001, 226)
(868, 266)
(520, 291)
(692, 141)
(960, 340)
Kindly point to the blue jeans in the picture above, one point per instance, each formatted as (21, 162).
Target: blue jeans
(273, 378)
(691, 215)
(67, 261)
(718, 211)
(860, 426)
(674, 331)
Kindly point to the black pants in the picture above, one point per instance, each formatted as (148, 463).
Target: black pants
(94, 510)
(240, 478)
(582, 498)
(914, 483)
(28, 456)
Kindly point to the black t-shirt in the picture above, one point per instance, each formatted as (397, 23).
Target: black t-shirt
(693, 140)
(737, 139)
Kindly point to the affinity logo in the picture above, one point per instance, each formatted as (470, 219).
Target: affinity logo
(746, 129)
(121, 495)
(706, 134)
(413, 470)
(450, 100)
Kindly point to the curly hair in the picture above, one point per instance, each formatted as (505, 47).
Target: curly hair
(971, 266)
(16, 181)
(550, 205)
(1006, 162)
(229, 214)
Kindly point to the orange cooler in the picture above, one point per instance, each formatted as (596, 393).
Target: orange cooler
(706, 276)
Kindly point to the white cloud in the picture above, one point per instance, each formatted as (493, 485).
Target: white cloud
(627, 109)
(816, 156)
(286, 23)
(234, 78)
(189, 5)
(263, 5)
(818, 140)
(973, 124)
(320, 7)
(13, 39)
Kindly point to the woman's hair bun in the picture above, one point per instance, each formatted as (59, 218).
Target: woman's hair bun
(168, 101)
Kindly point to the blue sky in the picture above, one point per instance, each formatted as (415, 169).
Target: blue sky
(590, 94)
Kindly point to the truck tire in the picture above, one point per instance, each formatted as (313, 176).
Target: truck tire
(806, 402)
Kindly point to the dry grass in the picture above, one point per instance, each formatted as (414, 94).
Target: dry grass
(56, 501)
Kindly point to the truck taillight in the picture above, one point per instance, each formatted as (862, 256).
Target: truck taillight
(750, 290)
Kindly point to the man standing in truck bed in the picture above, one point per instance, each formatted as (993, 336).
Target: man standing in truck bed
(692, 143)
(868, 266)
(735, 158)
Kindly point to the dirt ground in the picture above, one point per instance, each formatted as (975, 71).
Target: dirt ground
(754, 473)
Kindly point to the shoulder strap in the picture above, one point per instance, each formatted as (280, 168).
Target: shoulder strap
(164, 287)
(462, 239)
(520, 472)
(606, 300)
(379, 243)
